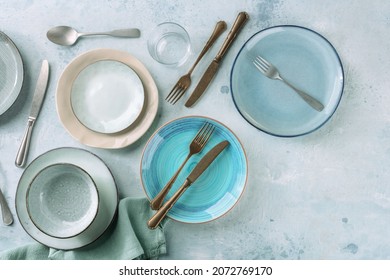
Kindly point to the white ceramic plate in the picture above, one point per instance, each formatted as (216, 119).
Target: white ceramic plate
(11, 73)
(93, 138)
(105, 185)
(107, 96)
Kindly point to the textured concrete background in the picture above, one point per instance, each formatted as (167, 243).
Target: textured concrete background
(325, 195)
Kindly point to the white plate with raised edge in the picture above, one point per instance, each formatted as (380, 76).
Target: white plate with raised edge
(105, 184)
(107, 96)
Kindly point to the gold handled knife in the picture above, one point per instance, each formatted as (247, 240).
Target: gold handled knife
(203, 164)
(38, 98)
(213, 67)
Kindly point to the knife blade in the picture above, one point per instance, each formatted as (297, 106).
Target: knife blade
(214, 65)
(203, 164)
(39, 95)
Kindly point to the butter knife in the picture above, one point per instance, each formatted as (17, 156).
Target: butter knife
(203, 164)
(7, 216)
(38, 98)
(213, 67)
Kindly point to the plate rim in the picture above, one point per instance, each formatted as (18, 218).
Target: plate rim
(89, 137)
(13, 96)
(235, 136)
(341, 88)
(84, 238)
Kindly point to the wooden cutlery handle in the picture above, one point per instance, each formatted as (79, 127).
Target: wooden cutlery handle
(163, 211)
(237, 25)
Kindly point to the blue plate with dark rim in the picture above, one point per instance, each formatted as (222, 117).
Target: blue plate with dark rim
(216, 191)
(307, 60)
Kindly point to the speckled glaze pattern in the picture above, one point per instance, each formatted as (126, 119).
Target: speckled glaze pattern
(62, 200)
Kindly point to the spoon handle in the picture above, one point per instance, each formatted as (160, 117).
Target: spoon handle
(7, 216)
(125, 33)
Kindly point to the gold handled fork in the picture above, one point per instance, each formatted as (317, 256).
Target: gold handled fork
(270, 71)
(196, 145)
(184, 82)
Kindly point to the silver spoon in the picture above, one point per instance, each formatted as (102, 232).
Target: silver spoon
(67, 36)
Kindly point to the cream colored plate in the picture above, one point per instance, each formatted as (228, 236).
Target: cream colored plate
(86, 135)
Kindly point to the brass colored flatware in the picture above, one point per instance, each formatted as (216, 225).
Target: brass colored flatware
(203, 164)
(213, 67)
(38, 99)
(185, 81)
(196, 146)
(6, 213)
(270, 71)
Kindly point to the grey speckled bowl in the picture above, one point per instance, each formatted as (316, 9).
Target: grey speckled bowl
(62, 200)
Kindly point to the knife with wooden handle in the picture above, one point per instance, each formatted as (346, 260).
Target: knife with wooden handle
(203, 164)
(214, 66)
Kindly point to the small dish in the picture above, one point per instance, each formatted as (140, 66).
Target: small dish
(11, 73)
(105, 184)
(93, 138)
(107, 96)
(307, 60)
(62, 200)
(219, 187)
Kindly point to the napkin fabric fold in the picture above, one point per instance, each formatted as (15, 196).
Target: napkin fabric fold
(127, 238)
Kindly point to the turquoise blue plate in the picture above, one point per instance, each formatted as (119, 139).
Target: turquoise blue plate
(216, 191)
(303, 57)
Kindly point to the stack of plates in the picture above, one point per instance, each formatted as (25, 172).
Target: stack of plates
(106, 98)
(105, 187)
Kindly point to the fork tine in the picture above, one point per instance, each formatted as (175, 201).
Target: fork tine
(178, 95)
(204, 134)
(208, 135)
(265, 62)
(259, 66)
(174, 92)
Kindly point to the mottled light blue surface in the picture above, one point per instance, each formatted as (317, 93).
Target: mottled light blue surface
(325, 195)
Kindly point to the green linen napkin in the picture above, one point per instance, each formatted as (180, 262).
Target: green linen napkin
(127, 238)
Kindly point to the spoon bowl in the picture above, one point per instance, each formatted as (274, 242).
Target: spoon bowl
(63, 35)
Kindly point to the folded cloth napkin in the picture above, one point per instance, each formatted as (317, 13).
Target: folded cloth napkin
(127, 238)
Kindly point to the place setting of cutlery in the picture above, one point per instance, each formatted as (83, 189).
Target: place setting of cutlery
(184, 82)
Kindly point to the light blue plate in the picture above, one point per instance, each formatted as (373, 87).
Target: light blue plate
(216, 191)
(303, 57)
